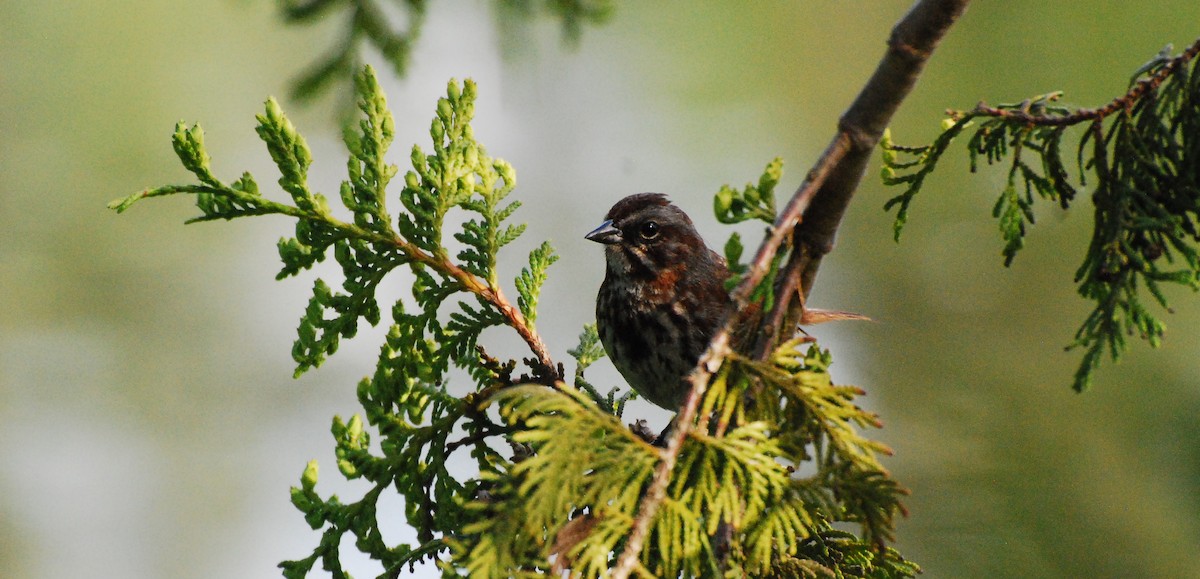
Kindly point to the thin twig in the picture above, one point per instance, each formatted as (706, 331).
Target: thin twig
(469, 282)
(822, 200)
(1120, 103)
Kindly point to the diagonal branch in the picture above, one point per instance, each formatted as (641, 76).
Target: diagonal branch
(912, 42)
(822, 201)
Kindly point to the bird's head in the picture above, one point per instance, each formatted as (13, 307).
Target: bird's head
(645, 234)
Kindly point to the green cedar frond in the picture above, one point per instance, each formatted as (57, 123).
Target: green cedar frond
(572, 500)
(586, 353)
(189, 147)
(529, 282)
(780, 531)
(830, 410)
(1142, 151)
(316, 336)
(574, 13)
(406, 400)
(366, 192)
(827, 553)
(584, 460)
(566, 497)
(925, 159)
(409, 363)
(290, 152)
(367, 22)
(370, 23)
(733, 259)
(462, 333)
(736, 207)
(755, 201)
(870, 497)
(589, 349)
(734, 476)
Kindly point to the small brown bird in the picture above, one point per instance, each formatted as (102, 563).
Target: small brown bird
(662, 298)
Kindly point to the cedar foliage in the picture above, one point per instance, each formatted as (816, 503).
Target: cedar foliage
(777, 458)
(777, 461)
(1141, 152)
(392, 28)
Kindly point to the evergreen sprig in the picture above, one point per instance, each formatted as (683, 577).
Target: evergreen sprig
(733, 507)
(374, 23)
(754, 201)
(406, 399)
(586, 353)
(565, 494)
(1142, 151)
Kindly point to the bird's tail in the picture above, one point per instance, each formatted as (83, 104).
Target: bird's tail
(813, 316)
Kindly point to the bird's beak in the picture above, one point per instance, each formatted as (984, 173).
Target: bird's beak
(606, 234)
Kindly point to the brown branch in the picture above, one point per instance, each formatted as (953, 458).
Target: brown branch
(527, 333)
(471, 283)
(822, 200)
(1123, 102)
(912, 42)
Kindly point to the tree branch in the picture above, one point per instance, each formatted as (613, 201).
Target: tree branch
(1123, 102)
(912, 42)
(822, 200)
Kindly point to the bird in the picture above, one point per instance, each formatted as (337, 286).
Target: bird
(662, 298)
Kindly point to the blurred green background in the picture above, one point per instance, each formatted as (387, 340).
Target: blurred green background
(149, 425)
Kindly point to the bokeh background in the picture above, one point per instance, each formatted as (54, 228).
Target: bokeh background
(149, 424)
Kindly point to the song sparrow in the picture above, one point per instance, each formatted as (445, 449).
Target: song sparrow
(662, 297)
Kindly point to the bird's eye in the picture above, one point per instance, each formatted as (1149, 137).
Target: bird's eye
(649, 230)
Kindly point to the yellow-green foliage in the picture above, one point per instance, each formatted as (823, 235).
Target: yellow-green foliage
(776, 456)
(571, 502)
